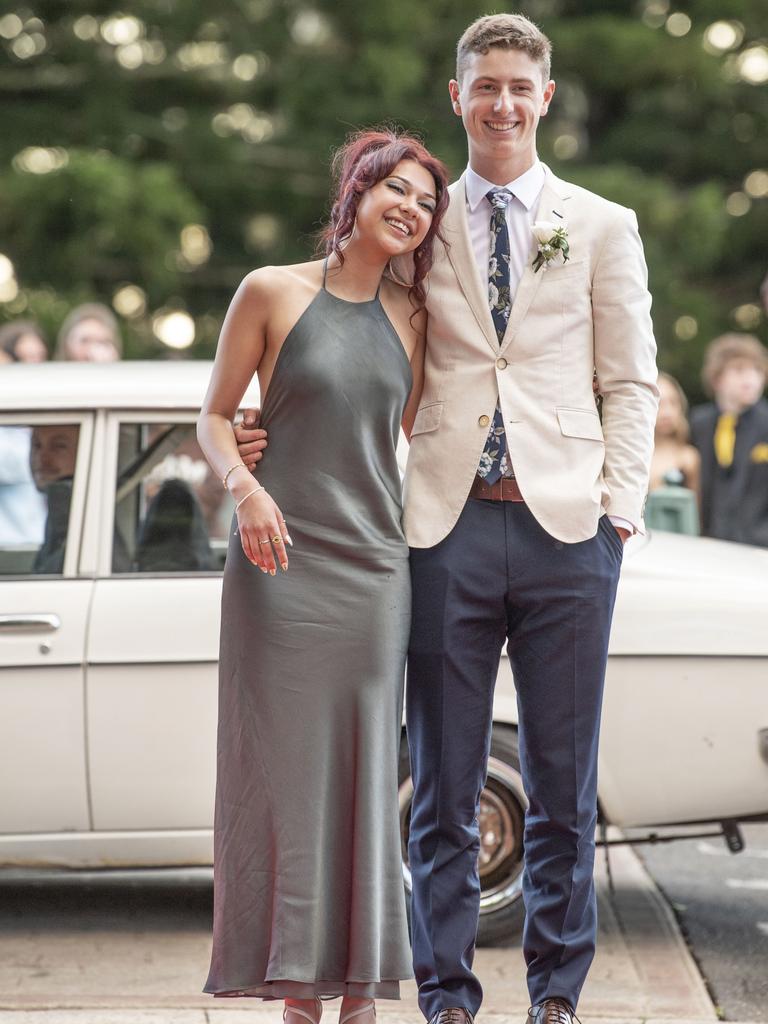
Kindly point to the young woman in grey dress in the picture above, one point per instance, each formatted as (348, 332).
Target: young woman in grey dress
(316, 600)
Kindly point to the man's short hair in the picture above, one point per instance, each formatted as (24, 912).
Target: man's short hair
(726, 349)
(509, 32)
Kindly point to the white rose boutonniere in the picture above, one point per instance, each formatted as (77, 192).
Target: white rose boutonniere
(552, 239)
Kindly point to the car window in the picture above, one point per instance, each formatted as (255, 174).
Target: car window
(171, 512)
(37, 468)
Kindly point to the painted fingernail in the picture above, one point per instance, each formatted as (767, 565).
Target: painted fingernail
(284, 566)
(272, 572)
(288, 540)
(261, 567)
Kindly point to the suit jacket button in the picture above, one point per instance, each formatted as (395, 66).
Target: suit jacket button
(501, 364)
(484, 421)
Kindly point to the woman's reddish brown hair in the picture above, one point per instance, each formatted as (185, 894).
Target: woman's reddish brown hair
(363, 161)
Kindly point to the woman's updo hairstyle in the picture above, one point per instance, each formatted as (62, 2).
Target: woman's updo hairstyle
(366, 158)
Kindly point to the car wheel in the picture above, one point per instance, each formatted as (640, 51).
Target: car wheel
(502, 815)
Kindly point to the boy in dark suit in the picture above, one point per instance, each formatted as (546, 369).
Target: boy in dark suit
(731, 434)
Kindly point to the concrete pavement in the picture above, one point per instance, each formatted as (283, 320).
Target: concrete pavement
(124, 971)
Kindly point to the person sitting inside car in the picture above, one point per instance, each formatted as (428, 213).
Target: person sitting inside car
(52, 457)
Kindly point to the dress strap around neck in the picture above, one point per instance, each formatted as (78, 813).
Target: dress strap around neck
(325, 271)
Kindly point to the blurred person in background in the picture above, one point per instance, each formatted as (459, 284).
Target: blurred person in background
(89, 334)
(731, 434)
(675, 460)
(22, 341)
(22, 507)
(53, 454)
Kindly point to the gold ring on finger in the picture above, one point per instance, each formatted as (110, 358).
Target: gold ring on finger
(265, 541)
(276, 539)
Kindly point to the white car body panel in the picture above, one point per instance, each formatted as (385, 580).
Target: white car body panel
(42, 732)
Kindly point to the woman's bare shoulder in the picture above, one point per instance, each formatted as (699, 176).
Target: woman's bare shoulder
(265, 282)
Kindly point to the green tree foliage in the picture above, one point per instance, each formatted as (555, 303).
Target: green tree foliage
(124, 125)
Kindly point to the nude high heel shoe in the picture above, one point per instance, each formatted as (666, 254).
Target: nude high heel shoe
(297, 1012)
(369, 1008)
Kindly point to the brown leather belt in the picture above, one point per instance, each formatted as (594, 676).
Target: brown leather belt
(505, 489)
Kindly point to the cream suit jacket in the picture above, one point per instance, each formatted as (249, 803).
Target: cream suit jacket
(566, 320)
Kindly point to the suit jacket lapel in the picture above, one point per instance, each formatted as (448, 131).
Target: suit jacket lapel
(462, 257)
(550, 208)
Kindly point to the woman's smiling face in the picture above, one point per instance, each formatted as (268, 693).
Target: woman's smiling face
(397, 211)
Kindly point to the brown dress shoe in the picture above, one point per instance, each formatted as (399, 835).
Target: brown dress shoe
(552, 1011)
(452, 1015)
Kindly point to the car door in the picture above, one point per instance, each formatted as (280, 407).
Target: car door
(44, 464)
(153, 642)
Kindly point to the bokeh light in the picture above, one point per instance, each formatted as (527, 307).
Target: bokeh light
(678, 24)
(196, 245)
(748, 316)
(40, 159)
(130, 301)
(738, 203)
(721, 36)
(206, 54)
(756, 184)
(262, 231)
(686, 328)
(174, 328)
(9, 287)
(121, 30)
(753, 65)
(566, 146)
(246, 67)
(28, 44)
(655, 13)
(86, 27)
(310, 28)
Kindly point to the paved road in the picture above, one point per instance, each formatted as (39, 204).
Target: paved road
(721, 902)
(131, 949)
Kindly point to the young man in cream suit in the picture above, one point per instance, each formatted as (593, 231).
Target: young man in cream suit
(517, 503)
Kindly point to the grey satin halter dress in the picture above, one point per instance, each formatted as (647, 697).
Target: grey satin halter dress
(308, 894)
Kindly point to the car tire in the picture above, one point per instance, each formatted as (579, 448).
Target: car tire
(502, 814)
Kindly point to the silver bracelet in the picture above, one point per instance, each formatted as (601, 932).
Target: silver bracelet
(248, 495)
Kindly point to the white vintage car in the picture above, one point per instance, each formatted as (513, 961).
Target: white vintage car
(113, 533)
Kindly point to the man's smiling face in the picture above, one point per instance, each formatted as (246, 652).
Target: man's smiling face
(500, 99)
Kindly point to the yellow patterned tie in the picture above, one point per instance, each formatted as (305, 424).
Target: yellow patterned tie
(725, 439)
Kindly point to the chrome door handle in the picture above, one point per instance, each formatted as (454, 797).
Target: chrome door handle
(29, 623)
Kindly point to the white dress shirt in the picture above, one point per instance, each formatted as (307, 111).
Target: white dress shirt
(521, 214)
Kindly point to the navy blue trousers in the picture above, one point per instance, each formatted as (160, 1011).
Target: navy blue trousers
(498, 575)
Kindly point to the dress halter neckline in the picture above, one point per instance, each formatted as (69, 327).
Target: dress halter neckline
(350, 302)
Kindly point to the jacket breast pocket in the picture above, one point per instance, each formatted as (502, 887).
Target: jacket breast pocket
(580, 423)
(427, 418)
(572, 270)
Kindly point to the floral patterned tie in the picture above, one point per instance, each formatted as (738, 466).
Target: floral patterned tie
(493, 461)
